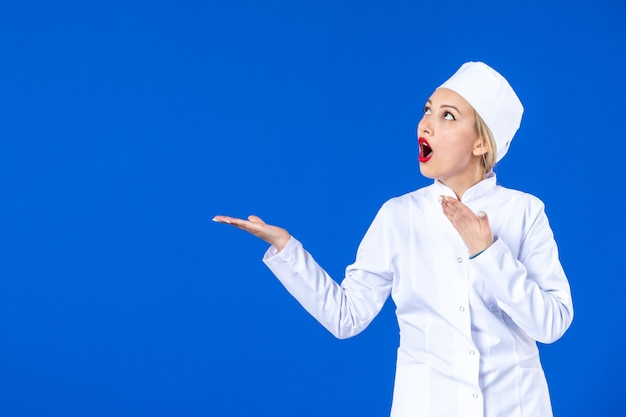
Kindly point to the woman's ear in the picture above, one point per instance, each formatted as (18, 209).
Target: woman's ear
(481, 147)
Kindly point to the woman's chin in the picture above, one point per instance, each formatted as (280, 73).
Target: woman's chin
(426, 172)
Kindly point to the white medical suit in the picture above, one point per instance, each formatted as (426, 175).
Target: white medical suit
(468, 327)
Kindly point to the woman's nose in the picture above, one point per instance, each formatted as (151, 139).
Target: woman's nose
(424, 127)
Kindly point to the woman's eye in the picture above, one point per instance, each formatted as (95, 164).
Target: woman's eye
(448, 116)
(426, 110)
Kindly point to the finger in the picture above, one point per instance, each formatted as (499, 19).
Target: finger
(451, 206)
(456, 208)
(455, 205)
(483, 219)
(255, 219)
(448, 201)
(223, 219)
(240, 223)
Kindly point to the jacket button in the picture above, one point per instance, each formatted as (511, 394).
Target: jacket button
(459, 260)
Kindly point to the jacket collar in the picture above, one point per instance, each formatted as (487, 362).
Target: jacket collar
(476, 192)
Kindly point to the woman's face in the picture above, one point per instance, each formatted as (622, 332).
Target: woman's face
(449, 146)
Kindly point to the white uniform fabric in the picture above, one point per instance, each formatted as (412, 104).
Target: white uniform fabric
(468, 327)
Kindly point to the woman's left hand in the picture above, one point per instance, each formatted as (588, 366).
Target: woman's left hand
(473, 229)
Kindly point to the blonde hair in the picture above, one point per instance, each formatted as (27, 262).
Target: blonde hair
(489, 157)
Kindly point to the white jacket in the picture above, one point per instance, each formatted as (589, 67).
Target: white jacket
(468, 327)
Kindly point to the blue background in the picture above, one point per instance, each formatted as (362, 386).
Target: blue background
(125, 126)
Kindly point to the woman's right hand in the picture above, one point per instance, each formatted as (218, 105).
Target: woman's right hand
(275, 236)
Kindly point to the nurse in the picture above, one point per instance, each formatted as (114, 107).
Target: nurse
(472, 266)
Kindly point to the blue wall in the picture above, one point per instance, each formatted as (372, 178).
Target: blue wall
(126, 126)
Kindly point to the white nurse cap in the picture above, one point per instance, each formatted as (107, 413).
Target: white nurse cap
(493, 98)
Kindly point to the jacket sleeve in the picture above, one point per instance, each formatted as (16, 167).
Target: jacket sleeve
(347, 309)
(531, 289)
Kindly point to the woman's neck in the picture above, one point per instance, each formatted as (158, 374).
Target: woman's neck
(460, 185)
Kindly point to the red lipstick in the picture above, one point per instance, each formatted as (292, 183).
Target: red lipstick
(426, 152)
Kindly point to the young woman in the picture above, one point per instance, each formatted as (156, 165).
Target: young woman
(472, 266)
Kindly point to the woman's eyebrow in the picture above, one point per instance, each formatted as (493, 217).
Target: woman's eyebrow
(451, 107)
(429, 102)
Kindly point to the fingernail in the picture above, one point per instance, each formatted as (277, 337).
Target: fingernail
(446, 197)
(214, 219)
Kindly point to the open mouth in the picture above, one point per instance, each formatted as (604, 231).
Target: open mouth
(426, 152)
